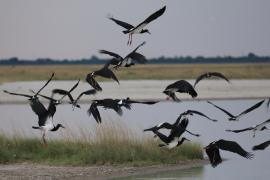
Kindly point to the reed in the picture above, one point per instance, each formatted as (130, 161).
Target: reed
(109, 144)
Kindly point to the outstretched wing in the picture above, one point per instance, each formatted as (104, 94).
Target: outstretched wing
(90, 79)
(201, 114)
(199, 78)
(251, 108)
(44, 85)
(88, 92)
(261, 146)
(94, 110)
(64, 93)
(122, 23)
(226, 112)
(239, 130)
(233, 147)
(152, 17)
(110, 53)
(213, 155)
(220, 75)
(17, 94)
(106, 73)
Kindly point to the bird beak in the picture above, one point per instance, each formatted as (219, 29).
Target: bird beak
(148, 32)
(187, 139)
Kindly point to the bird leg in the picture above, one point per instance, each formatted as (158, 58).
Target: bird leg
(128, 39)
(192, 133)
(44, 140)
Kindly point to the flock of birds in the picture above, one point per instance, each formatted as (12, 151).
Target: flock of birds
(176, 130)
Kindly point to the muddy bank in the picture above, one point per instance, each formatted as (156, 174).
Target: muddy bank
(26, 171)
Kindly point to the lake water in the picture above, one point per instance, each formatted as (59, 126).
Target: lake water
(18, 119)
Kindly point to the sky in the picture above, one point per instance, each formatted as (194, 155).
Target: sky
(75, 29)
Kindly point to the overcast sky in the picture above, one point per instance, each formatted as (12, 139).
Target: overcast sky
(76, 29)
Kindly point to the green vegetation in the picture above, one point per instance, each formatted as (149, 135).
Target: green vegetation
(147, 71)
(112, 144)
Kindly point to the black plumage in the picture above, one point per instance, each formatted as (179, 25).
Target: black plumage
(103, 72)
(128, 60)
(130, 29)
(258, 127)
(181, 86)
(212, 150)
(261, 146)
(208, 75)
(237, 117)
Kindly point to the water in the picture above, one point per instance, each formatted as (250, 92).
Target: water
(19, 119)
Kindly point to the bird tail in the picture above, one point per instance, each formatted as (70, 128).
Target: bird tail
(35, 127)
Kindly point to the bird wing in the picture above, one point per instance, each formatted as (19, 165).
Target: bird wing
(17, 94)
(240, 130)
(233, 147)
(140, 102)
(261, 146)
(90, 79)
(94, 110)
(38, 108)
(44, 85)
(213, 155)
(264, 123)
(268, 103)
(152, 17)
(139, 58)
(88, 92)
(110, 53)
(220, 75)
(199, 78)
(201, 114)
(226, 112)
(64, 93)
(121, 23)
(75, 85)
(251, 108)
(107, 73)
(185, 87)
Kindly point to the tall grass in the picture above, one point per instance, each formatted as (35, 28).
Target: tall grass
(109, 144)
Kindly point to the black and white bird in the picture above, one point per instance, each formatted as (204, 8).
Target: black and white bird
(45, 123)
(175, 125)
(254, 129)
(212, 151)
(33, 99)
(191, 112)
(181, 86)
(139, 29)
(208, 75)
(261, 146)
(237, 117)
(173, 139)
(103, 72)
(128, 60)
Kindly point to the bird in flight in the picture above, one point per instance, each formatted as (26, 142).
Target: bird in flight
(139, 29)
(128, 60)
(181, 86)
(208, 75)
(237, 117)
(258, 127)
(212, 151)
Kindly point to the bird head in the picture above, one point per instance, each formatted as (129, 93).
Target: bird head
(60, 125)
(263, 128)
(185, 139)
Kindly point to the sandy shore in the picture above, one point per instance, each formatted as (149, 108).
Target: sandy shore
(145, 89)
(26, 171)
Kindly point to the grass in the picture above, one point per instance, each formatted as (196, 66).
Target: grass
(147, 71)
(109, 145)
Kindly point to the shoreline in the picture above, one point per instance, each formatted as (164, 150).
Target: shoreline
(37, 171)
(144, 90)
